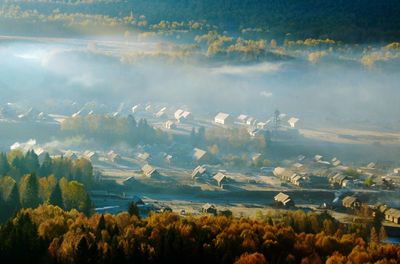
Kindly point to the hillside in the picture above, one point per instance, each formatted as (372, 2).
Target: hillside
(349, 21)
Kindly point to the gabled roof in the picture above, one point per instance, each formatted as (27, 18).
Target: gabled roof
(242, 118)
(221, 116)
(144, 156)
(219, 177)
(198, 170)
(282, 197)
(198, 153)
(148, 170)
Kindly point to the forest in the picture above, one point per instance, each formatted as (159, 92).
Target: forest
(349, 21)
(49, 234)
(26, 183)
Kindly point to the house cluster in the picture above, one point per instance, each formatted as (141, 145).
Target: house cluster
(254, 126)
(202, 174)
(317, 171)
(289, 175)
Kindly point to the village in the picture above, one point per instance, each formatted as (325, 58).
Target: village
(191, 180)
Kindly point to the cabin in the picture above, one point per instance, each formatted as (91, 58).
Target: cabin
(199, 171)
(293, 121)
(209, 209)
(297, 180)
(222, 119)
(242, 119)
(220, 178)
(335, 162)
(182, 115)
(149, 171)
(144, 156)
(170, 125)
(262, 125)
(351, 202)
(199, 155)
(392, 215)
(113, 157)
(283, 199)
(168, 158)
(318, 158)
(338, 180)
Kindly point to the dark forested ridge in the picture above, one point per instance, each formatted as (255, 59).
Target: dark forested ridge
(350, 21)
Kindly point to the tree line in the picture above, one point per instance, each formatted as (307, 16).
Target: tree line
(111, 130)
(48, 234)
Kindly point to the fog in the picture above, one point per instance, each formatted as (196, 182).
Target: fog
(331, 92)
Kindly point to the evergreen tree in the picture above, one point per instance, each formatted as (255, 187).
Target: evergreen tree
(82, 251)
(12, 202)
(4, 165)
(46, 167)
(31, 162)
(101, 225)
(56, 196)
(133, 209)
(29, 191)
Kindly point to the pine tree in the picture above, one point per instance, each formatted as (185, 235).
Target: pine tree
(133, 209)
(100, 227)
(29, 191)
(56, 196)
(31, 162)
(4, 165)
(46, 167)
